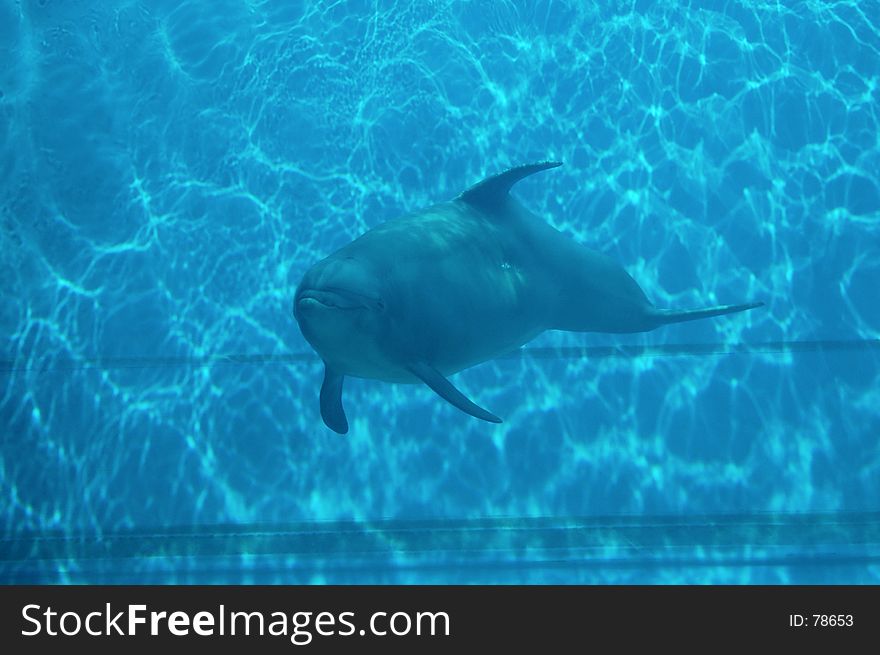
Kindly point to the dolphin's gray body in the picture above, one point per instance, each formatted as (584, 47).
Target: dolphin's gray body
(421, 297)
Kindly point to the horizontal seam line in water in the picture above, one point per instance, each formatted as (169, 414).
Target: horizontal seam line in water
(385, 525)
(562, 352)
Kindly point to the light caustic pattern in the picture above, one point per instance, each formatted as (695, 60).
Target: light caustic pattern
(170, 170)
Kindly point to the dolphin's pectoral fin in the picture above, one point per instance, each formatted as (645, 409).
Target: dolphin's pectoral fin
(331, 401)
(491, 192)
(445, 389)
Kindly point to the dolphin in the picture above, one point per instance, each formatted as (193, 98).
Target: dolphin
(428, 294)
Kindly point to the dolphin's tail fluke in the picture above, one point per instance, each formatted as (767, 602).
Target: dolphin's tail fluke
(666, 316)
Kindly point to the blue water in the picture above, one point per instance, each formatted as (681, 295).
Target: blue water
(169, 170)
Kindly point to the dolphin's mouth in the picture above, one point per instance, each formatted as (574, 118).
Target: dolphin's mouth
(335, 299)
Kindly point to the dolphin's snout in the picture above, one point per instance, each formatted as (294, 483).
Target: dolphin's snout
(333, 298)
(338, 284)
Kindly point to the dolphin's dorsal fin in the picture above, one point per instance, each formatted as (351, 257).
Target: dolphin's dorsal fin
(493, 190)
(331, 401)
(445, 389)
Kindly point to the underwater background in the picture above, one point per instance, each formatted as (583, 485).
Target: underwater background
(169, 170)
